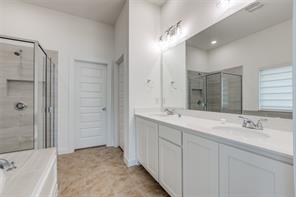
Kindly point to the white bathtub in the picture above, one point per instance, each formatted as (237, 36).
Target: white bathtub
(35, 175)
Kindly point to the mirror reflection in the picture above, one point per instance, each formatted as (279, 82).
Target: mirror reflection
(241, 65)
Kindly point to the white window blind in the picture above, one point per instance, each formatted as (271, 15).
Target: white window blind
(275, 86)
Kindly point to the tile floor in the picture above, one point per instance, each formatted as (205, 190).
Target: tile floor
(101, 172)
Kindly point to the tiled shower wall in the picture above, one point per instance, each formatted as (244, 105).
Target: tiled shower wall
(16, 85)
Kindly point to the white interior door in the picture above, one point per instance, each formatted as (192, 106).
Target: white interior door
(121, 104)
(91, 104)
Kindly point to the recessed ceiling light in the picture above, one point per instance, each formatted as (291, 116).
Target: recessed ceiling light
(214, 42)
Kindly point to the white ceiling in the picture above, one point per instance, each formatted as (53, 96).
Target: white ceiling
(243, 23)
(105, 11)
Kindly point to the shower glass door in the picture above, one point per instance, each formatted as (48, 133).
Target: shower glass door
(231, 93)
(40, 97)
(213, 92)
(16, 95)
(50, 70)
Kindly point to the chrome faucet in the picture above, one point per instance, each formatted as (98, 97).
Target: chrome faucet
(248, 123)
(172, 112)
(6, 165)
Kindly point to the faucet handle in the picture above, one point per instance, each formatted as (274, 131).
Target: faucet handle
(6, 165)
(259, 123)
(244, 118)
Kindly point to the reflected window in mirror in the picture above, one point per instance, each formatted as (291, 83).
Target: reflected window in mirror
(276, 91)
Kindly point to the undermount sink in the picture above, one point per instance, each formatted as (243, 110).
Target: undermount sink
(243, 132)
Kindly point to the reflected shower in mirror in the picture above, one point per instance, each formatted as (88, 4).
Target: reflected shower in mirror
(240, 65)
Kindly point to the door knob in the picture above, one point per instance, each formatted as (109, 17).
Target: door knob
(104, 109)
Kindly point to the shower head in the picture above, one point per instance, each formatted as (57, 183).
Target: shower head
(18, 53)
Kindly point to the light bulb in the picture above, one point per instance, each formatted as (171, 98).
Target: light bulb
(214, 42)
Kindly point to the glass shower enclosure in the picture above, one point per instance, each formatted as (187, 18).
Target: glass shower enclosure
(224, 92)
(27, 92)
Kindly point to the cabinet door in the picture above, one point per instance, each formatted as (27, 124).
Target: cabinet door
(152, 149)
(200, 167)
(246, 174)
(170, 167)
(141, 133)
(147, 145)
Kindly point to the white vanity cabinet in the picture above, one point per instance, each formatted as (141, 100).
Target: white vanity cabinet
(200, 167)
(170, 160)
(170, 167)
(247, 174)
(141, 136)
(192, 165)
(147, 145)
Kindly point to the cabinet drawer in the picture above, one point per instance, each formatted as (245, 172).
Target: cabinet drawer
(170, 134)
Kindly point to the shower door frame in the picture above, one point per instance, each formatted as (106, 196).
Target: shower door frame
(47, 110)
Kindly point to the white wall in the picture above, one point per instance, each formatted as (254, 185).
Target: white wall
(121, 49)
(144, 62)
(197, 15)
(257, 51)
(121, 30)
(69, 35)
(196, 59)
(174, 70)
(294, 91)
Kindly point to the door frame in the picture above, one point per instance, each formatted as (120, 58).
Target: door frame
(119, 62)
(72, 134)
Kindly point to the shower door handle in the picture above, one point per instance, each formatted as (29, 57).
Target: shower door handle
(50, 109)
(104, 109)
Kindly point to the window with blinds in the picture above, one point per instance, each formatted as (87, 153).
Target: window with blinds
(275, 89)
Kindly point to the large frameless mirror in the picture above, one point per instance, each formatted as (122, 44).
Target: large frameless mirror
(241, 65)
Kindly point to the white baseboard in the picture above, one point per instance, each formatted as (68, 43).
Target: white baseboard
(130, 163)
(63, 152)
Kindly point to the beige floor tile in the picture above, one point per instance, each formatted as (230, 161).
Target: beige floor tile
(101, 172)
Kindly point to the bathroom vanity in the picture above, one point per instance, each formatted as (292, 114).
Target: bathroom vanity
(195, 157)
(238, 67)
(35, 174)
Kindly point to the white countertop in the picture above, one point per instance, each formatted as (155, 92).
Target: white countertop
(271, 143)
(30, 174)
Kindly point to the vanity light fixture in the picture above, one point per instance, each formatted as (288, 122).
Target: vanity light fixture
(222, 3)
(170, 36)
(214, 42)
(179, 28)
